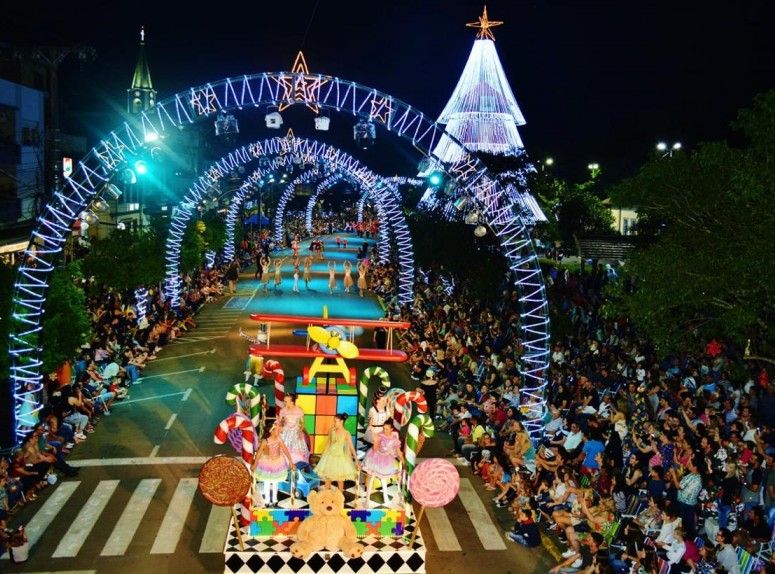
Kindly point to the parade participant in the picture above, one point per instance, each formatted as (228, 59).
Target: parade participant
(383, 460)
(278, 267)
(265, 265)
(331, 277)
(362, 284)
(295, 246)
(291, 419)
(271, 465)
(232, 274)
(429, 387)
(378, 414)
(348, 276)
(307, 271)
(339, 461)
(259, 256)
(296, 275)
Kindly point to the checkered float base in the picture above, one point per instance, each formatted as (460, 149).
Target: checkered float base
(381, 555)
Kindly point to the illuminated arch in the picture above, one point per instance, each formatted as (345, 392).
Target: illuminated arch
(92, 174)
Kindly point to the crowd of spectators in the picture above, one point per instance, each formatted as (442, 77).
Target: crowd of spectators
(77, 395)
(647, 463)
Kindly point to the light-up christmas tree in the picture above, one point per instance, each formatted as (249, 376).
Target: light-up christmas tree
(482, 113)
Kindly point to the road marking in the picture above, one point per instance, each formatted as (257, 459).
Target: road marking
(195, 340)
(170, 422)
(175, 518)
(488, 533)
(154, 451)
(130, 519)
(143, 379)
(136, 461)
(187, 394)
(442, 530)
(215, 532)
(153, 398)
(86, 520)
(210, 352)
(50, 509)
(66, 572)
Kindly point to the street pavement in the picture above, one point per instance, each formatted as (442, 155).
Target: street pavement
(134, 506)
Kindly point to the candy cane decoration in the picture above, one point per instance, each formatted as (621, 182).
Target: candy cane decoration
(273, 369)
(241, 423)
(392, 398)
(416, 398)
(419, 425)
(241, 393)
(363, 388)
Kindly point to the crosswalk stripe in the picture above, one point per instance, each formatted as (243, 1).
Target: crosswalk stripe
(175, 518)
(48, 512)
(130, 519)
(489, 534)
(66, 572)
(86, 520)
(442, 530)
(217, 527)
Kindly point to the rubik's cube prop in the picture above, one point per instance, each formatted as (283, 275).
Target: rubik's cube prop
(321, 398)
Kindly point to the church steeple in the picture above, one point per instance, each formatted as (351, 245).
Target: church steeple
(141, 96)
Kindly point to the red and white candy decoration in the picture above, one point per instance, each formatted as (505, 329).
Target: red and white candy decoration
(273, 369)
(241, 423)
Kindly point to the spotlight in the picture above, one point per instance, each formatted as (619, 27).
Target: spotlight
(435, 178)
(473, 218)
(273, 120)
(460, 203)
(151, 137)
(364, 134)
(112, 190)
(141, 167)
(322, 123)
(662, 146)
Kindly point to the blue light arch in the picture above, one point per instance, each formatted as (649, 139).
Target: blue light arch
(93, 173)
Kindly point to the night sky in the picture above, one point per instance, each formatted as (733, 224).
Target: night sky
(597, 81)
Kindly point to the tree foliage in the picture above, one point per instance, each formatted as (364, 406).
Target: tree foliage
(7, 277)
(453, 246)
(126, 259)
(708, 274)
(66, 324)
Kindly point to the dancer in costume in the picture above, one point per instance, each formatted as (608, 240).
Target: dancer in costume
(278, 268)
(348, 276)
(296, 275)
(307, 271)
(266, 262)
(383, 460)
(378, 414)
(295, 246)
(362, 284)
(339, 461)
(291, 418)
(271, 466)
(331, 277)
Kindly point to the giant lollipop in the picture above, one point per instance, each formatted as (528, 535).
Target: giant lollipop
(433, 483)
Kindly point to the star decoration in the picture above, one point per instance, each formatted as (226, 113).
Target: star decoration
(203, 107)
(301, 86)
(484, 24)
(381, 108)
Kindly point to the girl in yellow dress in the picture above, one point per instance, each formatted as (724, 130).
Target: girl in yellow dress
(338, 462)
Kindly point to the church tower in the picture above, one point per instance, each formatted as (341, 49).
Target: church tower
(141, 96)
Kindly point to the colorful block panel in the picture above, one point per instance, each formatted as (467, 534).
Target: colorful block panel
(376, 522)
(326, 405)
(320, 402)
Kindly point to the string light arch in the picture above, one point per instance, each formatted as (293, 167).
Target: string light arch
(92, 174)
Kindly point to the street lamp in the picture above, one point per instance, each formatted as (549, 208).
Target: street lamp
(668, 150)
(549, 161)
(594, 169)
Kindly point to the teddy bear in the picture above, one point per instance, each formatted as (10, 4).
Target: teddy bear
(327, 527)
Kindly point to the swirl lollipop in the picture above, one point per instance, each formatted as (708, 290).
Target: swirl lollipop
(433, 483)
